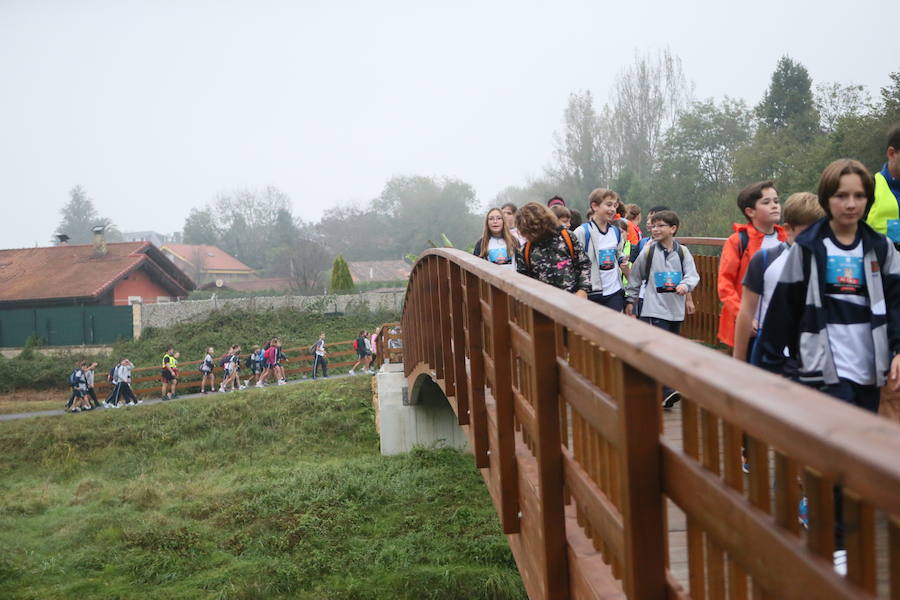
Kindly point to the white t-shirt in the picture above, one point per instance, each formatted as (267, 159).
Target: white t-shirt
(847, 312)
(770, 241)
(605, 273)
(320, 348)
(498, 253)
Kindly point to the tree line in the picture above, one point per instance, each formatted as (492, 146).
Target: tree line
(652, 141)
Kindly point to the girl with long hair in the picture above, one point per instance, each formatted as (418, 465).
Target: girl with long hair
(497, 243)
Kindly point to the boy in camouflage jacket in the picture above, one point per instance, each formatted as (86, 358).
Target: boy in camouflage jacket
(550, 258)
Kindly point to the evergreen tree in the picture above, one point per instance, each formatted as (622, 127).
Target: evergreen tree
(789, 103)
(340, 276)
(79, 217)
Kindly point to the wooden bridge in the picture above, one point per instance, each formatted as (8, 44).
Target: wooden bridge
(600, 496)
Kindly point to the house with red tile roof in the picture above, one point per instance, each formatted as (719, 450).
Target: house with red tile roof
(205, 264)
(89, 274)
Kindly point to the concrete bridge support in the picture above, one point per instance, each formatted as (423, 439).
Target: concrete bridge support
(420, 417)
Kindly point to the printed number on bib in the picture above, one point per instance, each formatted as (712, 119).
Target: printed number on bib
(893, 230)
(498, 255)
(844, 275)
(666, 281)
(606, 259)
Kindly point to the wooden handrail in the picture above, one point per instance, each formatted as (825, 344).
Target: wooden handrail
(519, 352)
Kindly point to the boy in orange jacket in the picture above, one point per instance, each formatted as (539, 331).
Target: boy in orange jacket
(759, 204)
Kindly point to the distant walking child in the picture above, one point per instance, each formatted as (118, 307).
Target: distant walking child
(207, 370)
(319, 359)
(169, 373)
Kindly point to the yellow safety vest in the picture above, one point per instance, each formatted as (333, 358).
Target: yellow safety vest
(172, 363)
(884, 210)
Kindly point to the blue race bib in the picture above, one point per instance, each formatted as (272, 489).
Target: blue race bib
(606, 259)
(844, 275)
(498, 255)
(666, 281)
(893, 230)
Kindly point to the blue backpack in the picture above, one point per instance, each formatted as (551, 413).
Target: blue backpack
(73, 378)
(586, 227)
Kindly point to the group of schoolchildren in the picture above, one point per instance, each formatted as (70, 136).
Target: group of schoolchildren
(605, 259)
(84, 397)
(262, 362)
(816, 300)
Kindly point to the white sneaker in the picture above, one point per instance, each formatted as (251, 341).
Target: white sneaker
(76, 409)
(139, 402)
(351, 372)
(840, 562)
(130, 404)
(243, 387)
(259, 385)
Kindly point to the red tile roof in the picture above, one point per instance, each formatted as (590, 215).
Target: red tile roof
(213, 259)
(62, 272)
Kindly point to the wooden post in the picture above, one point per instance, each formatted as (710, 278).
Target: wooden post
(459, 343)
(445, 341)
(503, 396)
(642, 508)
(475, 346)
(555, 567)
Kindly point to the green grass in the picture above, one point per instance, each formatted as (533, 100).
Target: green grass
(219, 330)
(276, 493)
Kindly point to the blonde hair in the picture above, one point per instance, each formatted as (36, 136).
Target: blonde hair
(802, 209)
(535, 221)
(511, 244)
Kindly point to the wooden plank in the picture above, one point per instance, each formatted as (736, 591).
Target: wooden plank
(820, 502)
(549, 457)
(774, 558)
(642, 508)
(859, 538)
(457, 308)
(894, 556)
(502, 392)
(595, 406)
(445, 341)
(477, 409)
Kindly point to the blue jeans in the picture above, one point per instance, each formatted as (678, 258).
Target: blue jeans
(615, 301)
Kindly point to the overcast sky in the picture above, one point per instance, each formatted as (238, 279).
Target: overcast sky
(155, 107)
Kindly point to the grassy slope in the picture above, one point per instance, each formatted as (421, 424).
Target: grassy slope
(219, 330)
(275, 493)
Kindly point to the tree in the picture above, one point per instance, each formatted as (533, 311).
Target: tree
(582, 162)
(200, 227)
(788, 102)
(341, 281)
(890, 98)
(79, 217)
(836, 101)
(646, 99)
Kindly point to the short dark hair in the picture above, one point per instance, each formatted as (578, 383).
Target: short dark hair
(893, 138)
(657, 209)
(509, 205)
(554, 201)
(831, 181)
(749, 195)
(669, 217)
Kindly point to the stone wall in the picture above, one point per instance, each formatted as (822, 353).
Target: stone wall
(167, 314)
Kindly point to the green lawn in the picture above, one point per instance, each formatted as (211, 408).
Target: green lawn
(276, 493)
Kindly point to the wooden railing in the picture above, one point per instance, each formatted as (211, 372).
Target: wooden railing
(389, 345)
(703, 325)
(560, 399)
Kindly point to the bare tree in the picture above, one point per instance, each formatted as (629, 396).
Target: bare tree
(646, 100)
(581, 155)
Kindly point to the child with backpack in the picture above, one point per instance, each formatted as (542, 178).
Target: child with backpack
(604, 244)
(318, 350)
(362, 355)
(253, 364)
(123, 394)
(759, 204)
(280, 358)
(666, 269)
(551, 254)
(800, 211)
(169, 373)
(77, 401)
(207, 371)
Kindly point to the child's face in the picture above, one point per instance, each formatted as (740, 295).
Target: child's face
(509, 216)
(848, 203)
(660, 231)
(566, 222)
(606, 209)
(495, 222)
(767, 211)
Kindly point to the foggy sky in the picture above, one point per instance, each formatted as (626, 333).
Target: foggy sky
(155, 107)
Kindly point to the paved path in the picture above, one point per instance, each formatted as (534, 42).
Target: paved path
(54, 413)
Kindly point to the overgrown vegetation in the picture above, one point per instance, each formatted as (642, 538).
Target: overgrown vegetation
(220, 330)
(277, 493)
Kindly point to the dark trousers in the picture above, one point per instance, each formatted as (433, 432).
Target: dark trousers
(320, 361)
(615, 301)
(866, 397)
(674, 327)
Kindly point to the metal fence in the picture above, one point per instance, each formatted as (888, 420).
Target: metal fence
(66, 326)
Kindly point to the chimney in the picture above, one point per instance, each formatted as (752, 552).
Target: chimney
(99, 241)
(62, 239)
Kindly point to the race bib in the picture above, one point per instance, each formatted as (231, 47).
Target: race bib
(498, 255)
(893, 230)
(844, 275)
(606, 259)
(666, 281)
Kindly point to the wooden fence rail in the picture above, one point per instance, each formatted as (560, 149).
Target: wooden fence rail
(560, 399)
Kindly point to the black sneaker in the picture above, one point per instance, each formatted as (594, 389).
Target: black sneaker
(671, 400)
